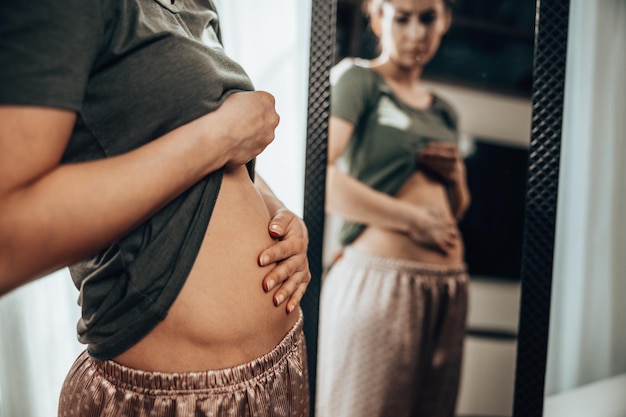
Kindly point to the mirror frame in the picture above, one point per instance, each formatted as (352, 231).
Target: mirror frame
(322, 42)
(541, 193)
(541, 205)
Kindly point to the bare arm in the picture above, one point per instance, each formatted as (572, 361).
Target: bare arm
(351, 199)
(460, 197)
(54, 214)
(356, 201)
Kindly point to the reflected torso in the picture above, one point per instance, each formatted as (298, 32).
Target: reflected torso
(420, 190)
(222, 317)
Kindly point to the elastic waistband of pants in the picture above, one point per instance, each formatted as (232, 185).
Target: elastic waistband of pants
(227, 379)
(366, 260)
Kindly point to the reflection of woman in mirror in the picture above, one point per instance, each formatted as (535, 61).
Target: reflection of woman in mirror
(393, 306)
(127, 140)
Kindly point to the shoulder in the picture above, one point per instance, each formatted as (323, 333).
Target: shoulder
(354, 88)
(356, 69)
(47, 49)
(46, 13)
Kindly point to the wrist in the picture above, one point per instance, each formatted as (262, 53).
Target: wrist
(408, 218)
(208, 140)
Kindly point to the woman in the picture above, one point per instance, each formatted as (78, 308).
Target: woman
(393, 306)
(127, 142)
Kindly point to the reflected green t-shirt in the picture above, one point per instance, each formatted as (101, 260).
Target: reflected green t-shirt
(382, 152)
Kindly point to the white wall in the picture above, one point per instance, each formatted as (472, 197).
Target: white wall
(504, 119)
(37, 345)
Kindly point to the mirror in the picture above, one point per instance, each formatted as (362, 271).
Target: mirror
(483, 69)
(543, 175)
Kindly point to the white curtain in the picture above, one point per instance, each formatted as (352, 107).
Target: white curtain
(587, 333)
(270, 38)
(37, 345)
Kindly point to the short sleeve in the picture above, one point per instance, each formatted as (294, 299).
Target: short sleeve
(46, 51)
(448, 114)
(351, 90)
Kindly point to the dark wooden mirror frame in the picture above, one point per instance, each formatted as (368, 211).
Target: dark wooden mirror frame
(541, 195)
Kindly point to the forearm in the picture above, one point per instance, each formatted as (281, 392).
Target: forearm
(272, 202)
(76, 209)
(351, 199)
(460, 199)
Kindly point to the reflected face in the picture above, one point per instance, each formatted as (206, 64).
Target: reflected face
(410, 31)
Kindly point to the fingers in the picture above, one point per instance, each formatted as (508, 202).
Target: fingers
(436, 230)
(251, 119)
(291, 277)
(440, 151)
(291, 273)
(444, 147)
(291, 232)
(280, 222)
(443, 159)
(447, 241)
(442, 166)
(282, 250)
(445, 233)
(296, 297)
(292, 290)
(289, 261)
(438, 156)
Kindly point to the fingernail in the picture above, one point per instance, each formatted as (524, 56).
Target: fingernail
(264, 260)
(275, 230)
(290, 308)
(278, 299)
(269, 285)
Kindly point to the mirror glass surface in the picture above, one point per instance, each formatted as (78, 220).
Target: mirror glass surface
(483, 68)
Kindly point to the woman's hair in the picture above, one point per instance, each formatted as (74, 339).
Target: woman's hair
(371, 5)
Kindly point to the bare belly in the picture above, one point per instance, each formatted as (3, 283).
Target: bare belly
(419, 190)
(222, 317)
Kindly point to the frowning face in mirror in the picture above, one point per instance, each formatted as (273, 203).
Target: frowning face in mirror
(393, 309)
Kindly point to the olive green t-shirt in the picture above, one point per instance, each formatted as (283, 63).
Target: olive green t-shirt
(133, 70)
(388, 133)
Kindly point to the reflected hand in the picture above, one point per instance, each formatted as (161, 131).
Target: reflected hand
(444, 160)
(291, 273)
(431, 227)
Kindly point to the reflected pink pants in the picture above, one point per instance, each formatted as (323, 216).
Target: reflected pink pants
(390, 338)
(275, 384)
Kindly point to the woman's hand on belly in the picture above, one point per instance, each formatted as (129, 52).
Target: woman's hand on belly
(289, 255)
(426, 214)
(432, 227)
(222, 316)
(431, 236)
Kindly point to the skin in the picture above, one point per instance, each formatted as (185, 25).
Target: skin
(417, 223)
(263, 276)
